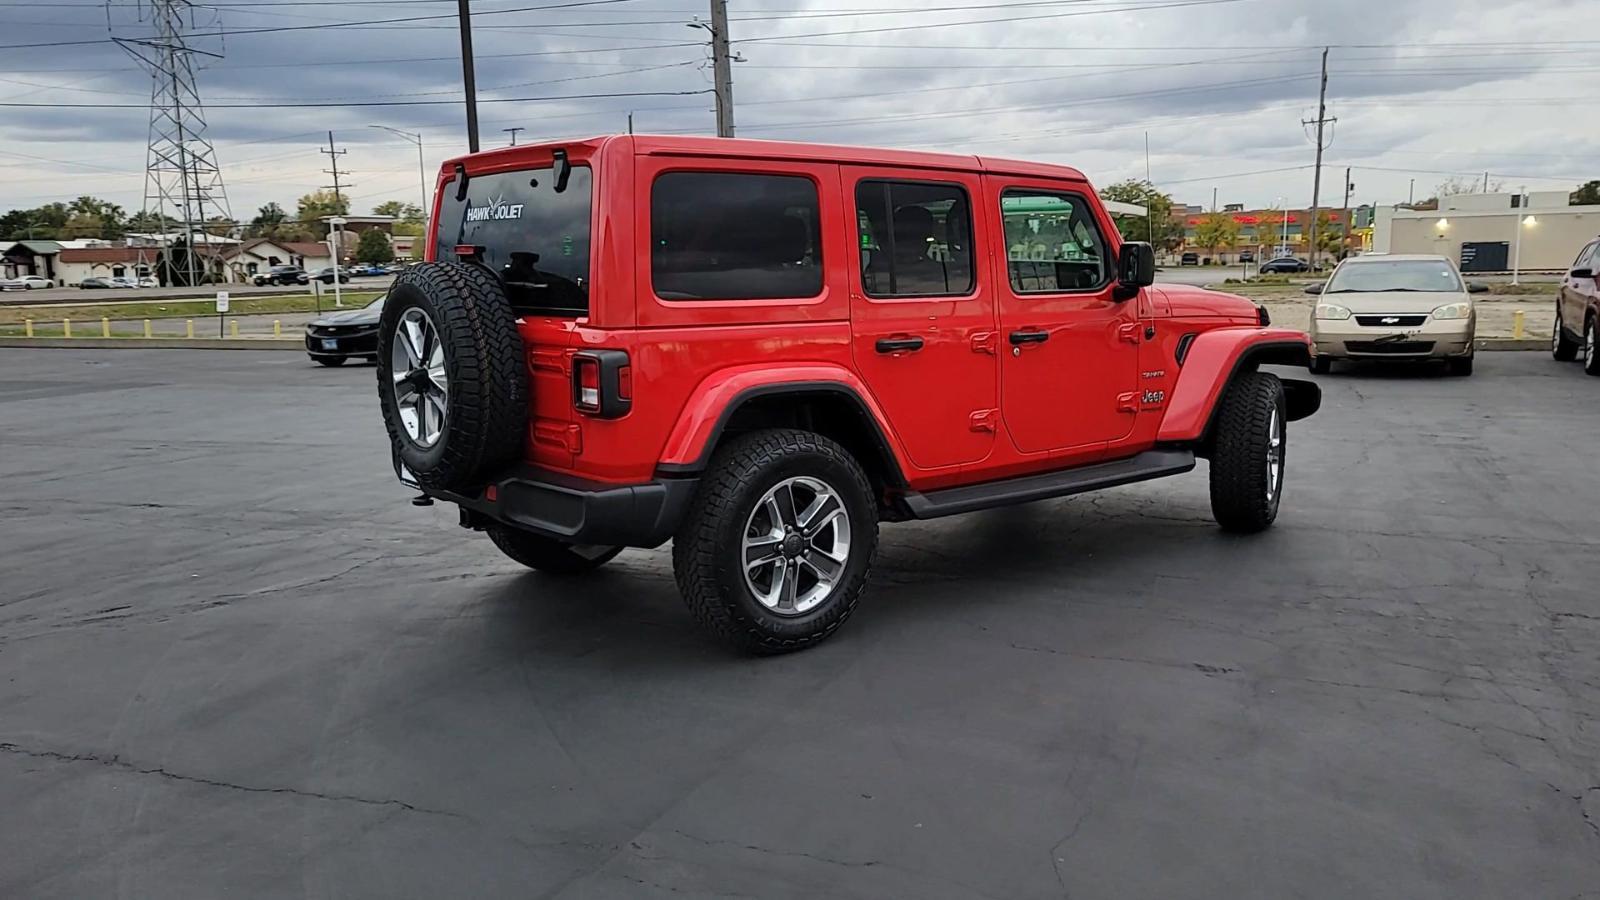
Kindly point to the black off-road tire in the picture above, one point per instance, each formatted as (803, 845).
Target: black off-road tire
(1320, 365)
(329, 361)
(1591, 350)
(1244, 495)
(547, 554)
(707, 552)
(1461, 365)
(1563, 348)
(487, 407)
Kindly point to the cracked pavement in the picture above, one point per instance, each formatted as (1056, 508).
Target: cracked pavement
(235, 661)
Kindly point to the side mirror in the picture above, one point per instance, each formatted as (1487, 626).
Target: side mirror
(1314, 288)
(1474, 287)
(1136, 268)
(1584, 272)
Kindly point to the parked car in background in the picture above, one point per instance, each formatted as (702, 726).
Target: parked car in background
(1247, 256)
(149, 281)
(1578, 310)
(334, 338)
(281, 275)
(96, 284)
(120, 281)
(1284, 264)
(1189, 259)
(326, 275)
(1395, 307)
(25, 283)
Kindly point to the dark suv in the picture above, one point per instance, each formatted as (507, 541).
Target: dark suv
(282, 275)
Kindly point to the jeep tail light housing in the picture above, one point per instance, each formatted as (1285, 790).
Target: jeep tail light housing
(602, 383)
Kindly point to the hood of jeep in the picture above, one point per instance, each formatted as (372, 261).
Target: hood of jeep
(1187, 301)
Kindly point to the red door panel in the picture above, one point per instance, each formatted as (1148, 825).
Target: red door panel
(1069, 348)
(922, 311)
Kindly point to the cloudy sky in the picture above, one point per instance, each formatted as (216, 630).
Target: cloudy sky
(1423, 89)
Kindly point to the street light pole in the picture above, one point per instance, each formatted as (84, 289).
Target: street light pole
(422, 167)
(335, 233)
(1522, 222)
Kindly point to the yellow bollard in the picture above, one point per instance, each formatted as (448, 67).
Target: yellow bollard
(66, 328)
(105, 327)
(233, 328)
(188, 328)
(1517, 320)
(27, 327)
(277, 328)
(146, 327)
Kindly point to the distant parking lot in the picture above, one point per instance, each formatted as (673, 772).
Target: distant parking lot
(79, 295)
(234, 661)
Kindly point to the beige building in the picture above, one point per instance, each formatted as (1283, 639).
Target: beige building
(1480, 231)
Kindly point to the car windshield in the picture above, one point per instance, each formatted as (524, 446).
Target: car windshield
(1394, 275)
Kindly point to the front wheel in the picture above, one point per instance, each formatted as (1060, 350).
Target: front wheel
(549, 555)
(774, 552)
(1248, 453)
(1591, 356)
(1563, 348)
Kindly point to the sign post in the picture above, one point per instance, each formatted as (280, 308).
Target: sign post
(222, 310)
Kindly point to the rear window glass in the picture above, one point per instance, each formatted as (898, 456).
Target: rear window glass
(734, 236)
(536, 238)
(916, 239)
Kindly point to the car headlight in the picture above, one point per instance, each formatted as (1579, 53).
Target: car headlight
(1453, 311)
(1331, 311)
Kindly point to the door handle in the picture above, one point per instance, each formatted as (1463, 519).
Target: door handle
(898, 345)
(1018, 338)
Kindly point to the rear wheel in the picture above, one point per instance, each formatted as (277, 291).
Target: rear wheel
(1247, 455)
(775, 549)
(549, 555)
(1563, 348)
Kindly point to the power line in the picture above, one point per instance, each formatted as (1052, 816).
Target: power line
(364, 103)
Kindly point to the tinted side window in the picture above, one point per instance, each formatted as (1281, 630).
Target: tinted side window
(734, 236)
(916, 238)
(1052, 242)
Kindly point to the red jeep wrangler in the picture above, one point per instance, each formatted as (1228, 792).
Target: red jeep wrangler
(762, 350)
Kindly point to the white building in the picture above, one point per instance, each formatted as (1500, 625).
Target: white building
(1481, 231)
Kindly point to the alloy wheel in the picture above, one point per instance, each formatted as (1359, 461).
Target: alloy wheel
(1274, 455)
(1555, 335)
(796, 545)
(421, 387)
(1588, 343)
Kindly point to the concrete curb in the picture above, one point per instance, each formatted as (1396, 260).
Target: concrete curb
(1513, 344)
(136, 343)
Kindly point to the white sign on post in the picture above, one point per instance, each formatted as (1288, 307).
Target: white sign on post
(222, 301)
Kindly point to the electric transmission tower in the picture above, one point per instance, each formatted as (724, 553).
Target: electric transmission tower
(183, 182)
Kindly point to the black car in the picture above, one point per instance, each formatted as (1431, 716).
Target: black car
(1247, 256)
(281, 275)
(1284, 264)
(1189, 259)
(336, 337)
(326, 275)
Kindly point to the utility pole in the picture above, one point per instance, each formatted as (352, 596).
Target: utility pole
(1344, 238)
(513, 133)
(630, 121)
(422, 167)
(721, 65)
(333, 158)
(1149, 214)
(1213, 199)
(469, 79)
(1411, 193)
(1316, 182)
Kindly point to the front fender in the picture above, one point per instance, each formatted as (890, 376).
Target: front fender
(1213, 358)
(694, 435)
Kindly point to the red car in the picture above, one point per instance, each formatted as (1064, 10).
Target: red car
(760, 351)
(1578, 310)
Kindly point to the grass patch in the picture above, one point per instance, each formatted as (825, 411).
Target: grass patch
(179, 309)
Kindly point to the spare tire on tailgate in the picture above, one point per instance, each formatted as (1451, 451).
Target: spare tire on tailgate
(451, 377)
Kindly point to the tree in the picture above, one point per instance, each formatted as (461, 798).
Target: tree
(1330, 234)
(1160, 229)
(1457, 184)
(408, 216)
(1217, 231)
(1269, 227)
(93, 217)
(149, 223)
(374, 247)
(1587, 194)
(317, 204)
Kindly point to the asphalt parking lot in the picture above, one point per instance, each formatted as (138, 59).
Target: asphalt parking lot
(235, 661)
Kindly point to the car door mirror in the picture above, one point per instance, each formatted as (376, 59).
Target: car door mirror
(1136, 268)
(1584, 272)
(1314, 288)
(1474, 287)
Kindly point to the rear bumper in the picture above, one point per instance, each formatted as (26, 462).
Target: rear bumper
(578, 511)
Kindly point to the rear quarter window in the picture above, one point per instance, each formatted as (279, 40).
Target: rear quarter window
(734, 236)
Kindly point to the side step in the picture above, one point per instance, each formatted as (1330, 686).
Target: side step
(1147, 465)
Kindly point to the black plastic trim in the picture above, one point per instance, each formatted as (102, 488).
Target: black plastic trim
(612, 404)
(1301, 398)
(1293, 353)
(1060, 483)
(579, 511)
(892, 473)
(1184, 343)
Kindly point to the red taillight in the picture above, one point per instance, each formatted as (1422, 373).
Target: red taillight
(586, 380)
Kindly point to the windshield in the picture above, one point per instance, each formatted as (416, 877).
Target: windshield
(1394, 275)
(535, 237)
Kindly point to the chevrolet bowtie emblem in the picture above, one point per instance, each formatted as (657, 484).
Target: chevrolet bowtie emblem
(1389, 320)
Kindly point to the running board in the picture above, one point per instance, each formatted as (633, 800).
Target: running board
(1147, 465)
